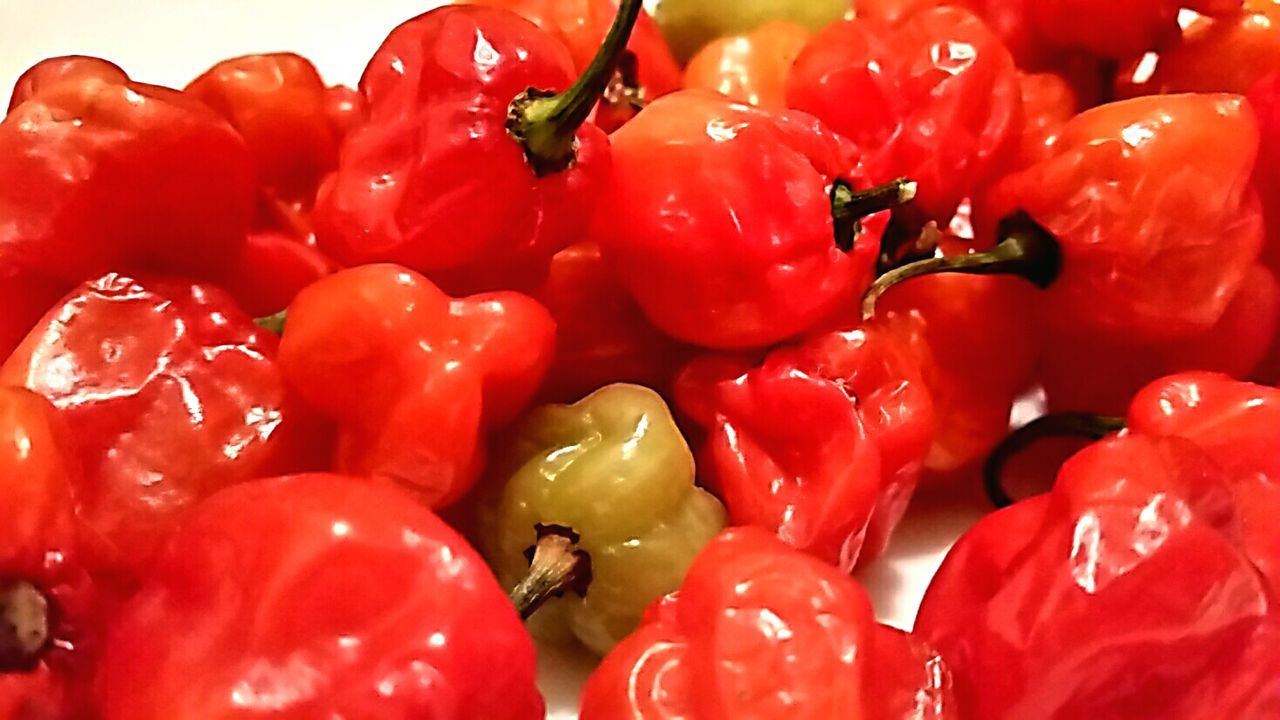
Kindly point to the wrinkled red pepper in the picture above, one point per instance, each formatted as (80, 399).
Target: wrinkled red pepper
(759, 630)
(413, 377)
(318, 596)
(821, 443)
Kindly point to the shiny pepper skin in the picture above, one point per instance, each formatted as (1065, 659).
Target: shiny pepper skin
(172, 391)
(1124, 593)
(722, 221)
(40, 547)
(821, 443)
(1048, 104)
(905, 95)
(413, 377)
(314, 596)
(750, 68)
(274, 267)
(614, 469)
(1151, 250)
(434, 181)
(102, 174)
(759, 631)
(1116, 30)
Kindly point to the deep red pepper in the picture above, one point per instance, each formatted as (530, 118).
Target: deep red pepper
(914, 115)
(1116, 30)
(318, 596)
(413, 377)
(821, 443)
(761, 631)
(732, 226)
(751, 68)
(172, 391)
(460, 171)
(1048, 103)
(101, 174)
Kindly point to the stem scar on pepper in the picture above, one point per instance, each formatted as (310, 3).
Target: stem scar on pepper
(849, 206)
(556, 566)
(1066, 424)
(273, 323)
(24, 626)
(1026, 250)
(546, 123)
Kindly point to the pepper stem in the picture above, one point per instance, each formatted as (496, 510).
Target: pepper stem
(849, 206)
(556, 565)
(24, 626)
(273, 323)
(546, 124)
(1067, 424)
(1027, 250)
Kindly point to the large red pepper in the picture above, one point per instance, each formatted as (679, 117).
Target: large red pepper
(905, 94)
(318, 596)
(736, 228)
(821, 443)
(47, 621)
(751, 68)
(412, 376)
(173, 392)
(1125, 593)
(761, 631)
(101, 174)
(469, 167)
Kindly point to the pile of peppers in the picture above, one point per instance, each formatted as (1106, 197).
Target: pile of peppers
(573, 325)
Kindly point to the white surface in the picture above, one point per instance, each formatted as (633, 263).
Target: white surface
(169, 42)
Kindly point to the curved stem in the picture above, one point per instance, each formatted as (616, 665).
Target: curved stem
(1067, 424)
(273, 323)
(556, 565)
(546, 124)
(1027, 250)
(849, 206)
(24, 626)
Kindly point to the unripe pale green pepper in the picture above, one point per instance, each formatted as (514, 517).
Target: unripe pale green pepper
(690, 24)
(604, 489)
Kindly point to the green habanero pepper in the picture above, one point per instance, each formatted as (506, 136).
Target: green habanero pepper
(599, 515)
(690, 24)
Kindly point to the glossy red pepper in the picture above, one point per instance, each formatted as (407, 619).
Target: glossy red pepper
(1116, 30)
(318, 596)
(173, 392)
(601, 335)
(761, 631)
(412, 377)
(49, 626)
(732, 226)
(821, 443)
(1264, 97)
(272, 270)
(1124, 593)
(101, 174)
(914, 113)
(751, 68)
(1048, 103)
(460, 171)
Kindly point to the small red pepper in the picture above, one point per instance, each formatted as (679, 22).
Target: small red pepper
(172, 391)
(761, 631)
(736, 228)
(1116, 30)
(821, 443)
(469, 167)
(905, 94)
(413, 377)
(1048, 103)
(751, 68)
(316, 596)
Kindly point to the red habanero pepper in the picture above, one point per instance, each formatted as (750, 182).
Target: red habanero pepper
(737, 228)
(759, 631)
(1264, 97)
(172, 391)
(468, 167)
(1116, 30)
(821, 443)
(101, 174)
(273, 269)
(46, 598)
(318, 596)
(750, 68)
(646, 71)
(601, 336)
(1048, 103)
(1124, 593)
(413, 377)
(905, 95)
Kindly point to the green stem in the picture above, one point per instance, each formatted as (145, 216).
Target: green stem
(24, 626)
(556, 566)
(1027, 250)
(1067, 424)
(849, 207)
(546, 124)
(273, 323)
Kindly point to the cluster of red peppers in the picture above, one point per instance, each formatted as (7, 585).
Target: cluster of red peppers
(671, 317)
